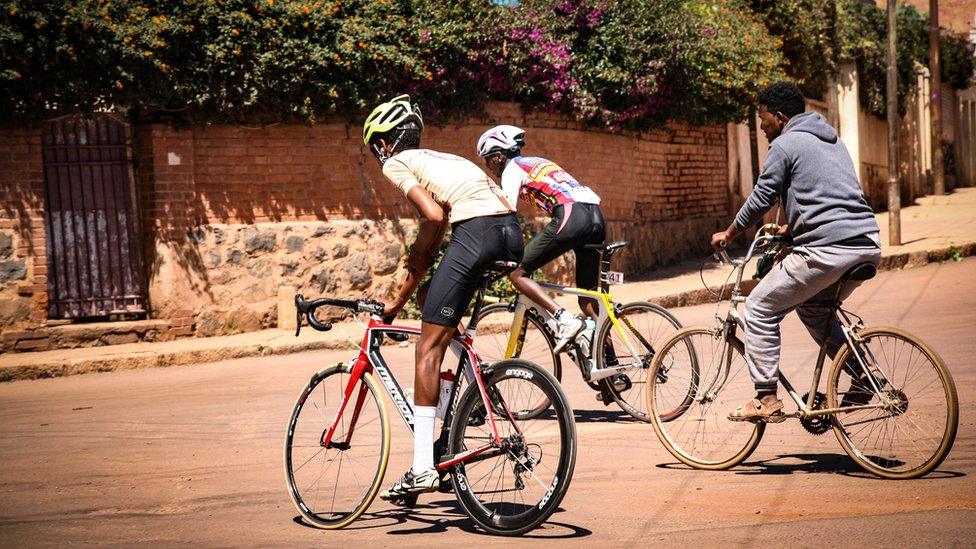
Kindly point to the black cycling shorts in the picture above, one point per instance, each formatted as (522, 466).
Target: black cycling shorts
(476, 244)
(572, 226)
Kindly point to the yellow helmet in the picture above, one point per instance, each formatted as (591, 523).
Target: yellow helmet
(389, 115)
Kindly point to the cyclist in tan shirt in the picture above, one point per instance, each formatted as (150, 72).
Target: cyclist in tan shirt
(445, 189)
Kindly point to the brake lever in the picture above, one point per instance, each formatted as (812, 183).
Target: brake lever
(721, 255)
(299, 300)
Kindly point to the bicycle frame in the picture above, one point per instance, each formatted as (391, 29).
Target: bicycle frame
(733, 320)
(523, 303)
(370, 360)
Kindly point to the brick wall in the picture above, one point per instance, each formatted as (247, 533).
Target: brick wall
(23, 259)
(292, 172)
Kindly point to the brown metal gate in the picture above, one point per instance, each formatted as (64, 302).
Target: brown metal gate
(94, 264)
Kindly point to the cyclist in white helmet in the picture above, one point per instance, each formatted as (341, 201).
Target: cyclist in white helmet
(445, 189)
(576, 221)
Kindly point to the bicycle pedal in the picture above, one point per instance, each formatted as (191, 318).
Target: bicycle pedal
(409, 502)
(777, 418)
(447, 485)
(604, 398)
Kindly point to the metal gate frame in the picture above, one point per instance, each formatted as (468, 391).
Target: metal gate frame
(95, 266)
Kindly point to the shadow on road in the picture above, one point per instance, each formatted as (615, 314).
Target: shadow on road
(444, 515)
(603, 416)
(786, 464)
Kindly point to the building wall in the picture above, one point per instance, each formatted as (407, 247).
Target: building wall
(23, 263)
(233, 220)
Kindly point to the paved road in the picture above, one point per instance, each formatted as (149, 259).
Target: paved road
(193, 455)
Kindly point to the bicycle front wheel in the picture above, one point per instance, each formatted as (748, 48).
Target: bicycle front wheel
(913, 423)
(333, 485)
(697, 431)
(646, 326)
(512, 487)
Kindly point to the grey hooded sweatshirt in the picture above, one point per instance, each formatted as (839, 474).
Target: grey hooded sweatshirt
(810, 168)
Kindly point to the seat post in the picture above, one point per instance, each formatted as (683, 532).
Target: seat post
(605, 257)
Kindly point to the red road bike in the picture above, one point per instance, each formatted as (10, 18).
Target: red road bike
(509, 465)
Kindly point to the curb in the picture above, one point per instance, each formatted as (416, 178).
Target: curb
(904, 260)
(159, 359)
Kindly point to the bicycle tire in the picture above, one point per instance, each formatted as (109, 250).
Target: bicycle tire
(496, 351)
(734, 387)
(300, 495)
(524, 458)
(632, 399)
(902, 403)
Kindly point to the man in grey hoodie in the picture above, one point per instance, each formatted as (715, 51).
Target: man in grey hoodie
(809, 170)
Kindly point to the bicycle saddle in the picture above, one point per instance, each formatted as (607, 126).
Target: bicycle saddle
(501, 267)
(860, 272)
(606, 247)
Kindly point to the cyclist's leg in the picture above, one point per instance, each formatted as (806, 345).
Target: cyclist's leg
(816, 316)
(588, 261)
(450, 291)
(794, 280)
(543, 248)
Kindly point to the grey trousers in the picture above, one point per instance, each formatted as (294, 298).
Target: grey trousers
(808, 273)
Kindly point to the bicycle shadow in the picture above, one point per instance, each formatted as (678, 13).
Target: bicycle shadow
(444, 515)
(603, 416)
(786, 464)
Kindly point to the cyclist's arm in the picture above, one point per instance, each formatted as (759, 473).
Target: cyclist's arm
(511, 183)
(433, 225)
(769, 187)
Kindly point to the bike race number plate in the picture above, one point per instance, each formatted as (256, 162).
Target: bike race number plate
(613, 277)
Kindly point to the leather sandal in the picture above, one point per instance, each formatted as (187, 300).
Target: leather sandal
(755, 411)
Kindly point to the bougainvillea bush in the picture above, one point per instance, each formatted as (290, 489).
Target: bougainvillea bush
(613, 64)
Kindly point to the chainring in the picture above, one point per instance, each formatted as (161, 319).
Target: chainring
(816, 425)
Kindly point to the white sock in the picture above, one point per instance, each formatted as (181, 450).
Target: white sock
(423, 437)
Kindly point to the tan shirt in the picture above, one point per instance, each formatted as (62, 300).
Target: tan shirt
(450, 179)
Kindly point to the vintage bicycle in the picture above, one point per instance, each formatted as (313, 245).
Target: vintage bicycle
(509, 471)
(613, 356)
(889, 399)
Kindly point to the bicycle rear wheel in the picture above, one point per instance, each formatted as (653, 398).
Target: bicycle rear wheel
(913, 428)
(512, 488)
(646, 326)
(332, 486)
(698, 432)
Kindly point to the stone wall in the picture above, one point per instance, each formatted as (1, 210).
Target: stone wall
(246, 267)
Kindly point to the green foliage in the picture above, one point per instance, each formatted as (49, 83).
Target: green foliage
(633, 64)
(725, 60)
(955, 254)
(229, 59)
(809, 31)
(610, 63)
(958, 66)
(863, 35)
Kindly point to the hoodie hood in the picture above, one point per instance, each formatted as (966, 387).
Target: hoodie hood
(813, 123)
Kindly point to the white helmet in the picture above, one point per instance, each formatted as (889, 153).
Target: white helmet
(501, 138)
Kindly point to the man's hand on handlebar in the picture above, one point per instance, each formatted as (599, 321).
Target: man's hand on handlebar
(721, 239)
(391, 308)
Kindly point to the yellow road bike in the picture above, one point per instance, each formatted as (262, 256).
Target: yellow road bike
(613, 356)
